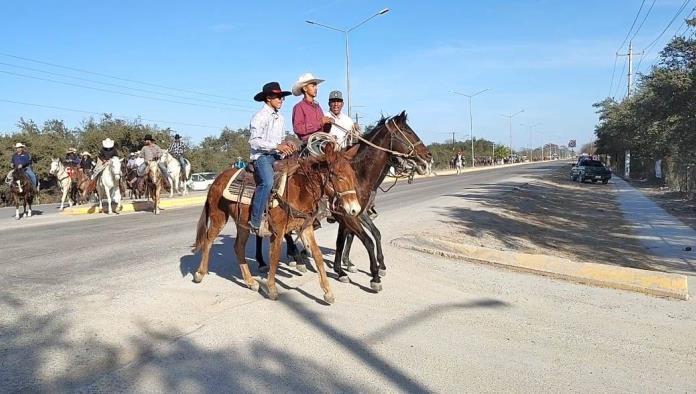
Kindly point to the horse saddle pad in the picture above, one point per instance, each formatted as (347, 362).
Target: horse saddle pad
(240, 187)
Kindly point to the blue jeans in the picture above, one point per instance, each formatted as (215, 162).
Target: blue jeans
(263, 175)
(31, 175)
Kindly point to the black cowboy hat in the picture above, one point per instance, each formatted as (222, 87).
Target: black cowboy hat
(270, 89)
(177, 136)
(148, 137)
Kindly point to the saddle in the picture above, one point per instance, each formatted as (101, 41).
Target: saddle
(240, 188)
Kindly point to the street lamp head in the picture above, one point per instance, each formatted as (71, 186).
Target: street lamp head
(384, 11)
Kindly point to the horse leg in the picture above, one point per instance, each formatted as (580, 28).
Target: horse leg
(377, 236)
(340, 243)
(375, 283)
(16, 201)
(156, 198)
(108, 199)
(217, 219)
(311, 242)
(29, 200)
(350, 267)
(263, 267)
(240, 251)
(276, 243)
(297, 257)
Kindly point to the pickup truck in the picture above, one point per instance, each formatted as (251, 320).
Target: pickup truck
(592, 170)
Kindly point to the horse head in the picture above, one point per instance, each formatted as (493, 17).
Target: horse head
(340, 179)
(55, 167)
(404, 140)
(115, 167)
(19, 179)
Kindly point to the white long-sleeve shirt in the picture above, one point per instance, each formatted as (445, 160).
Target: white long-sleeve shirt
(345, 122)
(267, 131)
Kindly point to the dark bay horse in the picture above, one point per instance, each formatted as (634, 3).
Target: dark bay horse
(21, 189)
(309, 179)
(392, 143)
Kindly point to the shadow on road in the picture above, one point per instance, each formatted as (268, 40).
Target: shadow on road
(555, 214)
(48, 353)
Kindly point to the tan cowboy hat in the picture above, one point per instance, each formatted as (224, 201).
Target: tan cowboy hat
(85, 153)
(303, 80)
(108, 143)
(72, 150)
(20, 145)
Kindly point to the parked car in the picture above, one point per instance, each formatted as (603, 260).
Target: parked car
(592, 170)
(201, 180)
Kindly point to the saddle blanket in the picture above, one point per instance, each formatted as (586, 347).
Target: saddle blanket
(240, 187)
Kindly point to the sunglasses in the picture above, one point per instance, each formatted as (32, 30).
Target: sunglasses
(277, 98)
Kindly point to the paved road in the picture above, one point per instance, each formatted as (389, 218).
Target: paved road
(107, 304)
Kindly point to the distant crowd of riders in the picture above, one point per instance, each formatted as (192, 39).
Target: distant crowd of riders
(93, 167)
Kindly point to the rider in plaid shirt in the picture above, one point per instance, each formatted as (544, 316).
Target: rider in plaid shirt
(177, 149)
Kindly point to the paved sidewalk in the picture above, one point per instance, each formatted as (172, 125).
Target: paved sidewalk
(660, 232)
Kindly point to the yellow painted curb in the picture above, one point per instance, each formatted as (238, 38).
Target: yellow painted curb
(632, 279)
(140, 206)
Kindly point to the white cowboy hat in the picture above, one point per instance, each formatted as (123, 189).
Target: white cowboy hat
(85, 153)
(108, 143)
(72, 150)
(303, 80)
(19, 145)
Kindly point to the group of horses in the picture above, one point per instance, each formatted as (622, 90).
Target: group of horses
(115, 180)
(349, 179)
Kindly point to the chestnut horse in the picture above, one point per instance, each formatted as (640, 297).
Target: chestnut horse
(309, 179)
(392, 143)
(21, 189)
(153, 178)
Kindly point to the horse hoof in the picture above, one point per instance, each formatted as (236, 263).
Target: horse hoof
(329, 298)
(302, 268)
(344, 279)
(273, 295)
(197, 277)
(382, 273)
(292, 264)
(255, 287)
(376, 286)
(16, 217)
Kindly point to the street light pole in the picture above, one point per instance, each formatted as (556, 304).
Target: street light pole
(471, 120)
(510, 125)
(345, 33)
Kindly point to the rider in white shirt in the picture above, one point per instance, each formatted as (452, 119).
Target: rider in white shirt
(339, 118)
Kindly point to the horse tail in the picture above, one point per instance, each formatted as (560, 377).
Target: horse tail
(202, 229)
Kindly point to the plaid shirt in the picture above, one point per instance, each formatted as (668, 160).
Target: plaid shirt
(177, 148)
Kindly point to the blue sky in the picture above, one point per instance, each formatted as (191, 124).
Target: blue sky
(551, 58)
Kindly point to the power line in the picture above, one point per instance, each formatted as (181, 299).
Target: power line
(121, 93)
(686, 2)
(119, 78)
(613, 72)
(102, 113)
(618, 84)
(119, 86)
(644, 19)
(632, 24)
(648, 49)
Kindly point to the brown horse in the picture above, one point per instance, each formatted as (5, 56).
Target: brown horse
(21, 189)
(392, 143)
(309, 179)
(154, 181)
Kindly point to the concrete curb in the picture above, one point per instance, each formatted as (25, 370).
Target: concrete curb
(140, 206)
(642, 281)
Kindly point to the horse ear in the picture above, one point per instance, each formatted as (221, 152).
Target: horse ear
(351, 152)
(403, 116)
(330, 151)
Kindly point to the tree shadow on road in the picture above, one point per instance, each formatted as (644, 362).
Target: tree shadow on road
(49, 353)
(555, 215)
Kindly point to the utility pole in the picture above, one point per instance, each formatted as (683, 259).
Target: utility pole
(510, 125)
(630, 54)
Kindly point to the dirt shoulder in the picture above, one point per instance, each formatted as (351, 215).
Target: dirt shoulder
(676, 203)
(544, 214)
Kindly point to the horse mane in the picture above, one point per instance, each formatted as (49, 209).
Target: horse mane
(399, 119)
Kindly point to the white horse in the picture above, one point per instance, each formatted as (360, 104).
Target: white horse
(177, 178)
(61, 173)
(108, 184)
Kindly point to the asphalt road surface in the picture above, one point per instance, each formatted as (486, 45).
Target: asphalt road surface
(108, 304)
